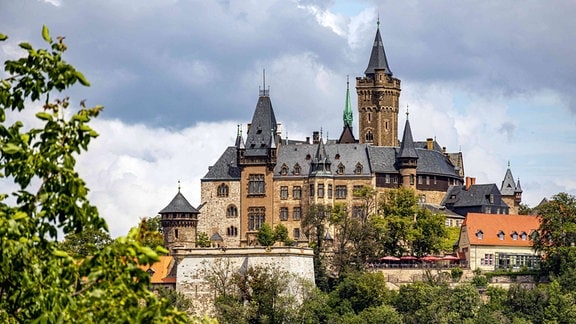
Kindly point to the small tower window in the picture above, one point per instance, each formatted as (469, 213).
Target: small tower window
(176, 233)
(358, 169)
(369, 136)
(223, 190)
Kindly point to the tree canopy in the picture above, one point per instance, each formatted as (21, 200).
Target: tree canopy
(38, 280)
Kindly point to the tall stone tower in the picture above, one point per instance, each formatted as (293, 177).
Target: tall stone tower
(378, 95)
(179, 220)
(511, 192)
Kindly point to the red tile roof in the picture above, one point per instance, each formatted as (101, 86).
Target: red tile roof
(160, 270)
(491, 225)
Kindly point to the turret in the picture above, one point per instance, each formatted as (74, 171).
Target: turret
(407, 158)
(179, 221)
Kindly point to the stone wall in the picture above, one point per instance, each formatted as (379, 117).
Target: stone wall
(194, 263)
(213, 216)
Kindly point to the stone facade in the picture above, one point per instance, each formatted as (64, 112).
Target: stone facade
(224, 210)
(194, 263)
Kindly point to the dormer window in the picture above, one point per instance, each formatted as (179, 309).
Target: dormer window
(501, 235)
(340, 169)
(523, 236)
(284, 170)
(358, 169)
(514, 235)
(479, 234)
(297, 169)
(534, 235)
(308, 156)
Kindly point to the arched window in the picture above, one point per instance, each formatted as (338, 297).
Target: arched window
(232, 231)
(369, 136)
(223, 190)
(232, 211)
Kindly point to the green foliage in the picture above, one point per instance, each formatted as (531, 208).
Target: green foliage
(480, 281)
(39, 282)
(85, 243)
(456, 273)
(281, 233)
(451, 238)
(360, 290)
(524, 209)
(265, 235)
(149, 234)
(175, 299)
(558, 223)
(203, 240)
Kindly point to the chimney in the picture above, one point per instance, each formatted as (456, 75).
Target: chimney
(307, 139)
(429, 143)
(315, 137)
(469, 182)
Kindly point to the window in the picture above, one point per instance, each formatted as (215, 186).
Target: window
(222, 190)
(176, 233)
(297, 192)
(232, 211)
(256, 184)
(283, 213)
(358, 212)
(358, 169)
(296, 213)
(297, 169)
(296, 233)
(284, 169)
(256, 217)
(501, 235)
(341, 192)
(387, 178)
(479, 234)
(329, 191)
(419, 180)
(523, 236)
(320, 190)
(284, 192)
(340, 169)
(488, 259)
(514, 235)
(534, 235)
(434, 179)
(491, 198)
(411, 179)
(427, 180)
(312, 190)
(369, 136)
(232, 231)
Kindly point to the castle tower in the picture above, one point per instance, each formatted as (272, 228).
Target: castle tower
(378, 95)
(179, 220)
(347, 137)
(511, 192)
(257, 160)
(407, 158)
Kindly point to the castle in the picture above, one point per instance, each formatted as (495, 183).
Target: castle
(264, 178)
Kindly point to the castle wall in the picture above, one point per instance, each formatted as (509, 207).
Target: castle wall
(214, 216)
(193, 264)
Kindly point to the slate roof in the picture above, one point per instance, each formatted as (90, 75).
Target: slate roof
(226, 168)
(348, 155)
(179, 205)
(476, 195)
(377, 57)
(383, 159)
(492, 224)
(261, 134)
(407, 149)
(508, 187)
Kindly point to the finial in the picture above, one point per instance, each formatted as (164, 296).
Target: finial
(238, 131)
(178, 185)
(321, 132)
(407, 112)
(264, 79)
(508, 164)
(347, 82)
(378, 21)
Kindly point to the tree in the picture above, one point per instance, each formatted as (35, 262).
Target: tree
(85, 243)
(39, 281)
(281, 233)
(148, 232)
(202, 240)
(265, 235)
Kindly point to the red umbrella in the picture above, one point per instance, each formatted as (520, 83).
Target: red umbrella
(430, 258)
(450, 258)
(389, 258)
(408, 258)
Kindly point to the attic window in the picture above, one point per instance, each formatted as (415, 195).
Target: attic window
(501, 235)
(340, 169)
(150, 271)
(308, 157)
(337, 157)
(523, 236)
(358, 169)
(514, 235)
(297, 169)
(534, 235)
(479, 234)
(284, 170)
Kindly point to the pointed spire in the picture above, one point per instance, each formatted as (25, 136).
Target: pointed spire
(239, 139)
(407, 149)
(348, 116)
(508, 186)
(261, 134)
(378, 59)
(518, 187)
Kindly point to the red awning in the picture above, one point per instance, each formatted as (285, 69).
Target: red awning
(389, 258)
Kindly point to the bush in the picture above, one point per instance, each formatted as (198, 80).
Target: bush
(456, 274)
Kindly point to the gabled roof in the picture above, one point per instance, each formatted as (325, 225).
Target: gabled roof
(378, 59)
(491, 224)
(179, 204)
(260, 136)
(226, 168)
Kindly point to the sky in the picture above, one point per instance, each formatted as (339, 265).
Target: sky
(495, 80)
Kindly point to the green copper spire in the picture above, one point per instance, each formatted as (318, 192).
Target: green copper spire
(348, 108)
